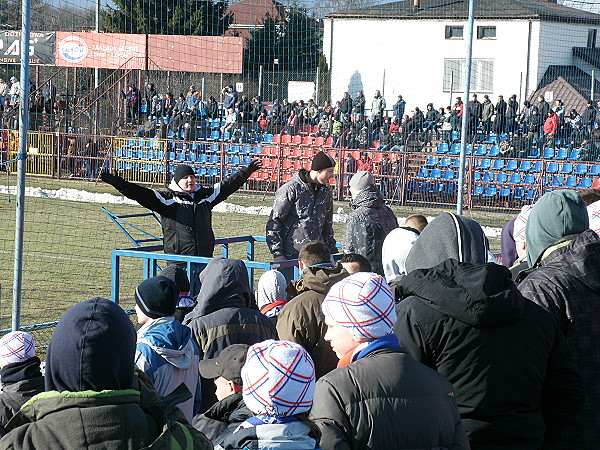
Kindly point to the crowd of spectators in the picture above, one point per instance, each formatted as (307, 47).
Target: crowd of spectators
(417, 338)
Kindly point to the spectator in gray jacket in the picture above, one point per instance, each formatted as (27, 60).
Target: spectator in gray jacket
(303, 210)
(369, 222)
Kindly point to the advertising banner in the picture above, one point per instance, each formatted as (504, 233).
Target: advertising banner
(41, 47)
(209, 54)
(100, 50)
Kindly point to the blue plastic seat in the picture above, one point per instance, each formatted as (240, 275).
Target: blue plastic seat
(487, 177)
(214, 159)
(481, 150)
(478, 190)
(552, 167)
(423, 172)
(574, 155)
(571, 181)
(498, 164)
(454, 149)
(566, 168)
(532, 194)
(537, 167)
(235, 160)
(442, 148)
(215, 135)
(534, 152)
(192, 157)
(504, 192)
(548, 153)
(561, 153)
(448, 174)
(595, 170)
(432, 161)
(476, 176)
(435, 173)
(518, 192)
(557, 181)
(529, 179)
(494, 151)
(268, 138)
(515, 178)
(512, 165)
(585, 183)
(501, 177)
(445, 161)
(580, 169)
(490, 191)
(525, 166)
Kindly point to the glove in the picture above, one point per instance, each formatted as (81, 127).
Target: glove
(108, 177)
(255, 165)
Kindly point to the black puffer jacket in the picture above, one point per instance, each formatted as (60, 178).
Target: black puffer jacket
(231, 412)
(20, 382)
(368, 225)
(226, 314)
(300, 214)
(507, 360)
(186, 218)
(382, 401)
(567, 283)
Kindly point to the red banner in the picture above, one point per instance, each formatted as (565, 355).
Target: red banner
(214, 54)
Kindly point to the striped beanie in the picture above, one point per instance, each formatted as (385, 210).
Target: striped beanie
(363, 303)
(279, 379)
(521, 223)
(16, 346)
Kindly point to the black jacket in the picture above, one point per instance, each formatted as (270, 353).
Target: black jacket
(226, 314)
(20, 381)
(515, 379)
(566, 283)
(231, 412)
(186, 218)
(387, 400)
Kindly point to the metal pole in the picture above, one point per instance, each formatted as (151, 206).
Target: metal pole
(451, 87)
(593, 85)
(465, 118)
(317, 85)
(260, 81)
(97, 71)
(21, 165)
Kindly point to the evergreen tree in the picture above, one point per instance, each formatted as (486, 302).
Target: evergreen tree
(294, 42)
(173, 17)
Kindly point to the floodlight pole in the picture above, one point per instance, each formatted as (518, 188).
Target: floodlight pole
(465, 116)
(97, 73)
(21, 163)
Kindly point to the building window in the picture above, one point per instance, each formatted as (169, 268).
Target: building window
(486, 32)
(454, 32)
(482, 75)
(592, 38)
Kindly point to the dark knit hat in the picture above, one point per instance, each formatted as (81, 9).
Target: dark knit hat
(322, 161)
(157, 297)
(178, 274)
(228, 364)
(182, 171)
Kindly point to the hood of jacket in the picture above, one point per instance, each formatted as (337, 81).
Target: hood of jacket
(318, 279)
(396, 247)
(448, 236)
(224, 285)
(480, 295)
(169, 339)
(369, 197)
(92, 348)
(557, 214)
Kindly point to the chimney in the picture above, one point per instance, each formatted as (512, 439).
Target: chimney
(417, 4)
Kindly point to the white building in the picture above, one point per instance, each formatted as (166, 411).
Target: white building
(418, 49)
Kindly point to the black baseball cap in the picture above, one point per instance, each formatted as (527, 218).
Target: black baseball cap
(228, 364)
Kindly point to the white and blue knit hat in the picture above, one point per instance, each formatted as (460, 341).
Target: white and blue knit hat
(363, 303)
(521, 223)
(279, 379)
(16, 346)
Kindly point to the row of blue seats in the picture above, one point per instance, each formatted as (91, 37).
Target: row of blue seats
(494, 151)
(513, 165)
(214, 148)
(182, 155)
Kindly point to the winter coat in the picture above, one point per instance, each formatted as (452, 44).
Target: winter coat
(231, 412)
(358, 105)
(186, 218)
(565, 281)
(111, 419)
(225, 314)
(230, 99)
(167, 353)
(386, 400)
(20, 382)
(515, 380)
(487, 111)
(377, 106)
(346, 105)
(300, 215)
(399, 107)
(3, 89)
(551, 124)
(367, 226)
(301, 319)
(292, 435)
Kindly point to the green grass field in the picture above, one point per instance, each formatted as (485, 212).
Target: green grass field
(67, 246)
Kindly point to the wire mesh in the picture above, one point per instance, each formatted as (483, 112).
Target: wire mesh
(141, 87)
